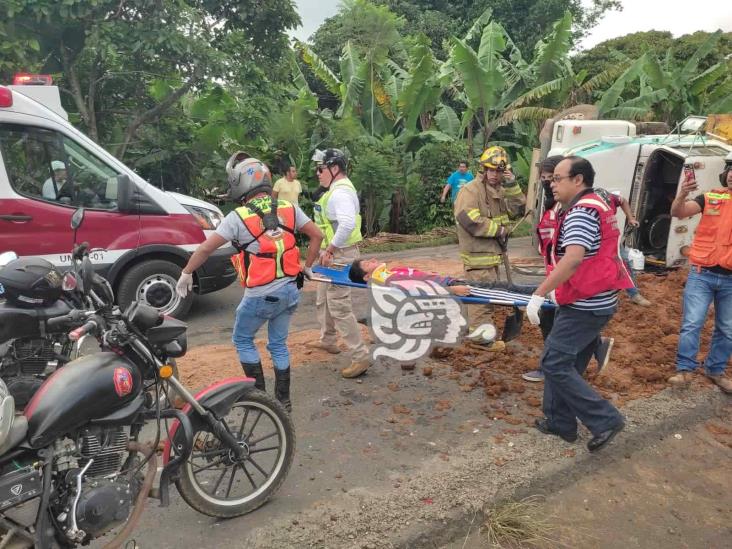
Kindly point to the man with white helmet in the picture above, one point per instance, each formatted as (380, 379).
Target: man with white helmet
(52, 186)
(268, 263)
(337, 213)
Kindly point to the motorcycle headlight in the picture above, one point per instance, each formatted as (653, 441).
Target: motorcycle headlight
(208, 219)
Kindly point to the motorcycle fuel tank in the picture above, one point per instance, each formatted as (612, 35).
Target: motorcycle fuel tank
(88, 388)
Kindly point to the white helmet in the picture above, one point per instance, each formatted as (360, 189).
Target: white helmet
(247, 175)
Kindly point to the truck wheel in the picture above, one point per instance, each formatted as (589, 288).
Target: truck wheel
(153, 283)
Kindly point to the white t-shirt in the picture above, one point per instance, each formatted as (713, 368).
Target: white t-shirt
(343, 207)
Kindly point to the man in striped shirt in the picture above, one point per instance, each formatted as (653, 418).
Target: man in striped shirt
(586, 274)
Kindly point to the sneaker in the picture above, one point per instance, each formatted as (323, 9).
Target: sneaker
(327, 347)
(640, 300)
(602, 353)
(681, 379)
(722, 382)
(533, 375)
(356, 368)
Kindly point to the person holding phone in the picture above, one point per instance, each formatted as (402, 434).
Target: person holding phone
(709, 281)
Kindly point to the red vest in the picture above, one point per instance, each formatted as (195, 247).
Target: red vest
(545, 230)
(602, 272)
(278, 255)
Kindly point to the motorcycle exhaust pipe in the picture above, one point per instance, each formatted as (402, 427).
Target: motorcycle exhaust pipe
(152, 468)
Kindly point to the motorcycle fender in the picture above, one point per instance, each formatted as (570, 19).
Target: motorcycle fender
(218, 398)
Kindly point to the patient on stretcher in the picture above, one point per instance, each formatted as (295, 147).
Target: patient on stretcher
(363, 270)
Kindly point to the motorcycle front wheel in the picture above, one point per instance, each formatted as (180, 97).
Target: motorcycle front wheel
(217, 483)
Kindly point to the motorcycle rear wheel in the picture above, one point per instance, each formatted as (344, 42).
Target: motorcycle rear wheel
(265, 429)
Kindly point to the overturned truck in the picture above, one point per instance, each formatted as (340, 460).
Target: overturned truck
(647, 168)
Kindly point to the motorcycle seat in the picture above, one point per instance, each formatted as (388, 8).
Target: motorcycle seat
(16, 435)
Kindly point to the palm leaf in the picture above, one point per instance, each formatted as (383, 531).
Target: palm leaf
(604, 78)
(532, 114)
(655, 73)
(720, 100)
(397, 70)
(610, 98)
(538, 92)
(702, 51)
(447, 121)
(319, 68)
(709, 77)
(474, 77)
(492, 44)
(477, 27)
(553, 49)
(298, 78)
(646, 100)
(351, 88)
(416, 90)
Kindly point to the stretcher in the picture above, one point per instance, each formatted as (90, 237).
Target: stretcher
(338, 275)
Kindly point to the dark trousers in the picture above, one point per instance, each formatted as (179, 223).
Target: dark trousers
(567, 396)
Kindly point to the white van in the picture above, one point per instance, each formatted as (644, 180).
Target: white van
(141, 235)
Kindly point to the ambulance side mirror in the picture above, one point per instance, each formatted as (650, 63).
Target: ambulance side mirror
(125, 194)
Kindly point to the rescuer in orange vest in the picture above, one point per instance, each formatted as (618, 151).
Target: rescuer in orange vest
(710, 280)
(263, 231)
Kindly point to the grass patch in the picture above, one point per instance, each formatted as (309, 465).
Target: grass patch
(519, 524)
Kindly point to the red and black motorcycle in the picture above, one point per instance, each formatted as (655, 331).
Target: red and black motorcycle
(71, 466)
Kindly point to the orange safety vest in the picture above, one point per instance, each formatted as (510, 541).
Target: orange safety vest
(712, 244)
(278, 256)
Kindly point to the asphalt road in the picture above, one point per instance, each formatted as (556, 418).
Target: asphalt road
(347, 434)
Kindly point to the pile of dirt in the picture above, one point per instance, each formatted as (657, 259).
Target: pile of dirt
(643, 356)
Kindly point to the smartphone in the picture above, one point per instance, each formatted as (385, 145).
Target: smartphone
(689, 174)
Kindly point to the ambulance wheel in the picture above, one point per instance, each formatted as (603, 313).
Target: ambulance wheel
(153, 282)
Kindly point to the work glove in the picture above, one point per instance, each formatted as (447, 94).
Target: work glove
(502, 237)
(184, 285)
(308, 273)
(533, 308)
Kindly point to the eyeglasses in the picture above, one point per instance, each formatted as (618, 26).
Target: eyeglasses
(320, 169)
(558, 178)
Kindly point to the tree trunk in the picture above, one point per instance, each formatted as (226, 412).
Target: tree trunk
(153, 114)
(88, 118)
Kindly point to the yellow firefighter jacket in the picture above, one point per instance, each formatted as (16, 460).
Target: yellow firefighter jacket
(480, 210)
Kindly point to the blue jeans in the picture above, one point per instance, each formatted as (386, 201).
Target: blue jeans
(567, 396)
(276, 309)
(702, 289)
(632, 292)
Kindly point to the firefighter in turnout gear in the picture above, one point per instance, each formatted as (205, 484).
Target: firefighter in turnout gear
(482, 211)
(337, 213)
(263, 231)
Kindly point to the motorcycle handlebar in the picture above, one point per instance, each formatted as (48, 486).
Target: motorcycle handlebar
(77, 334)
(74, 316)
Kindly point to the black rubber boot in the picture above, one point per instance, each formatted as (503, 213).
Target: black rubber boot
(254, 370)
(282, 388)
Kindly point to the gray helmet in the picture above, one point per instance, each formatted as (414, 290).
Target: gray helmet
(247, 176)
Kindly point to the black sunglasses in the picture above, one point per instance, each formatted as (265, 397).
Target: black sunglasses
(320, 169)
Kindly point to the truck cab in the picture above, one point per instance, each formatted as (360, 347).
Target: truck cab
(647, 170)
(140, 236)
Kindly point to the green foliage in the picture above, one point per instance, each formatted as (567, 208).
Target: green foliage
(434, 164)
(375, 175)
